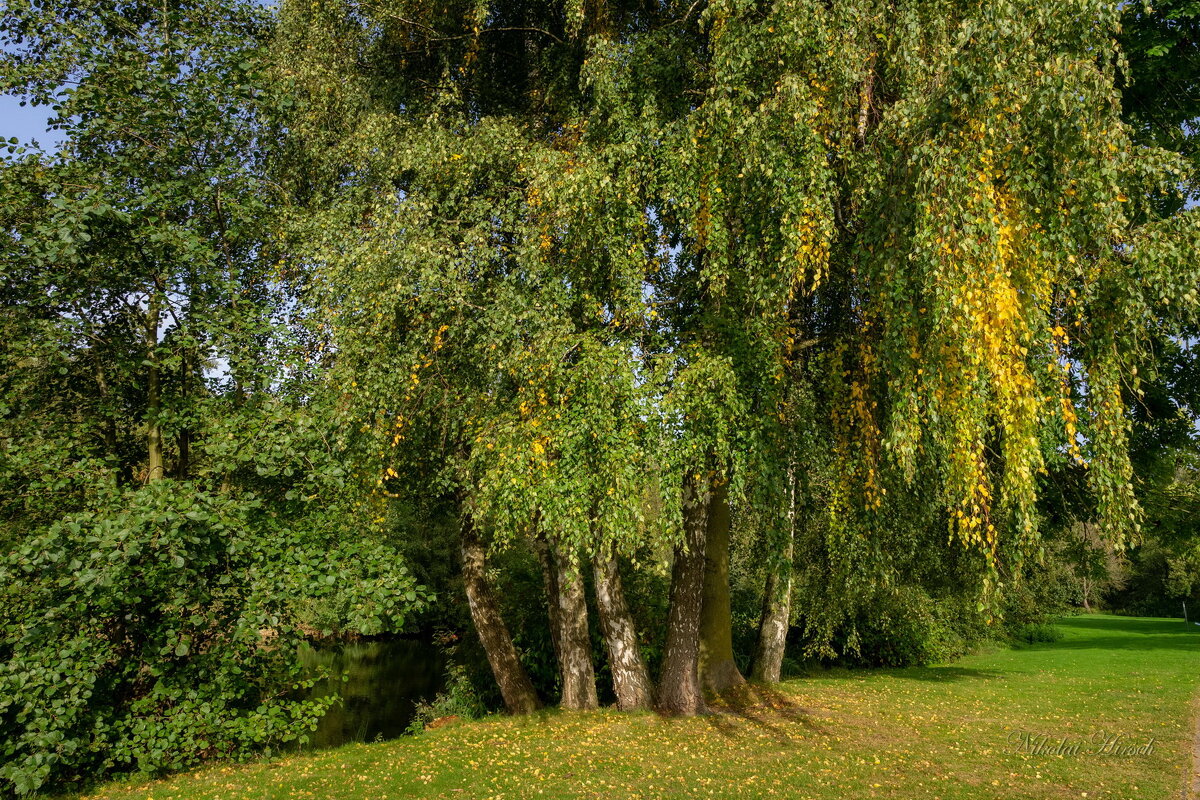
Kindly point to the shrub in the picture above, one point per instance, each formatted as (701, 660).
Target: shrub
(1037, 632)
(899, 630)
(907, 627)
(156, 632)
(460, 697)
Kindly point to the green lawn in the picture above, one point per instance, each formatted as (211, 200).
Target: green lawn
(940, 732)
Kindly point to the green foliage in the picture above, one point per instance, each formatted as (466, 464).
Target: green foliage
(1044, 590)
(272, 518)
(1162, 43)
(535, 263)
(908, 627)
(137, 258)
(155, 631)
(558, 283)
(178, 507)
(1163, 572)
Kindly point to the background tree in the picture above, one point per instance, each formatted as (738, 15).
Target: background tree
(174, 513)
(145, 243)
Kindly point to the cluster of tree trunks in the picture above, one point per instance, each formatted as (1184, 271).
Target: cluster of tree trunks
(698, 654)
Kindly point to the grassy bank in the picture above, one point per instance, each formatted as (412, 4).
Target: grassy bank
(966, 730)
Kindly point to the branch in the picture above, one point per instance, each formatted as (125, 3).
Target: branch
(423, 26)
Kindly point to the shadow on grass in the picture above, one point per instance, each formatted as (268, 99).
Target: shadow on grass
(946, 674)
(1102, 632)
(765, 707)
(762, 706)
(935, 674)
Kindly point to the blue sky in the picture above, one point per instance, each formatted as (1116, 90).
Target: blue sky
(26, 123)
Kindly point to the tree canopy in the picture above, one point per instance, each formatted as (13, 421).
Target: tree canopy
(865, 303)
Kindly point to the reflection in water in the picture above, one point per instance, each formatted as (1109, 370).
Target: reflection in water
(386, 679)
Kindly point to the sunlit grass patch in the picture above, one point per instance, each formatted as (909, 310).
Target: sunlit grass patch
(965, 730)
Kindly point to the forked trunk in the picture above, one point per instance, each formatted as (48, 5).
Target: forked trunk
(550, 585)
(679, 683)
(567, 609)
(718, 671)
(631, 680)
(515, 686)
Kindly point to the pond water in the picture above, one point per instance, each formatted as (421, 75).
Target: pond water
(386, 680)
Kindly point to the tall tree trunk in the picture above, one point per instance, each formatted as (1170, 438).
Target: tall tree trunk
(515, 686)
(575, 657)
(718, 671)
(154, 442)
(569, 635)
(679, 683)
(777, 602)
(550, 584)
(631, 680)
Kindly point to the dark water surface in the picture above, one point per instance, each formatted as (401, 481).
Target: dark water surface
(387, 678)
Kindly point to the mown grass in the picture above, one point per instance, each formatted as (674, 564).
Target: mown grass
(911, 734)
